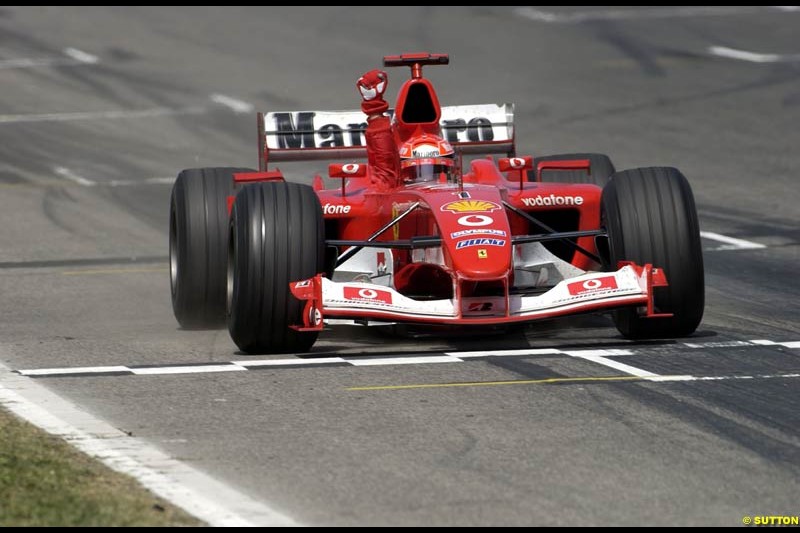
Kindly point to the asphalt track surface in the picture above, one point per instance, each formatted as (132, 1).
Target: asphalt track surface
(101, 107)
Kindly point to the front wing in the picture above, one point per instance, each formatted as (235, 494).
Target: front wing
(630, 285)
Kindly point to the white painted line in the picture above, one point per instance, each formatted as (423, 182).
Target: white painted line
(598, 356)
(160, 181)
(199, 369)
(633, 14)
(238, 106)
(197, 493)
(122, 183)
(73, 370)
(404, 360)
(671, 378)
(611, 363)
(30, 63)
(789, 9)
(506, 353)
(597, 353)
(723, 344)
(721, 378)
(81, 56)
(68, 174)
(752, 57)
(74, 57)
(733, 244)
(101, 115)
(134, 183)
(285, 362)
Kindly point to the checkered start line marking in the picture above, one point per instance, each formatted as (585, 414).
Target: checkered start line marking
(604, 357)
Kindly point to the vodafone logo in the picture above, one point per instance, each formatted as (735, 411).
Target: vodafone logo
(333, 209)
(541, 201)
(367, 295)
(350, 168)
(606, 283)
(516, 163)
(475, 220)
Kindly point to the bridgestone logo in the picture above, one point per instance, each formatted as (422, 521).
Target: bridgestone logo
(541, 201)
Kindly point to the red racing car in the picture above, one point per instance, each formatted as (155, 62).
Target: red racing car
(494, 240)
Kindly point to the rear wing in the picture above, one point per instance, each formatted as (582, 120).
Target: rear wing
(307, 135)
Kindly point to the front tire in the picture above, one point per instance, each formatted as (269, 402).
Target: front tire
(650, 217)
(198, 245)
(277, 236)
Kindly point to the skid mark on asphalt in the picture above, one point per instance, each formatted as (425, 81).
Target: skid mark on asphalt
(576, 17)
(101, 115)
(605, 357)
(237, 106)
(99, 271)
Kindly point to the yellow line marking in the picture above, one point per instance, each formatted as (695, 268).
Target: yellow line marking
(492, 383)
(112, 271)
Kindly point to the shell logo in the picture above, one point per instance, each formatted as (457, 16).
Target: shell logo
(470, 206)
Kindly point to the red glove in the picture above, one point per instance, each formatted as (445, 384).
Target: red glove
(371, 86)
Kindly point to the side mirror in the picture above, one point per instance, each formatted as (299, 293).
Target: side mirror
(515, 163)
(347, 170)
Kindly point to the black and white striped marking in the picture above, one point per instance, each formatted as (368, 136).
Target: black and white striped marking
(605, 357)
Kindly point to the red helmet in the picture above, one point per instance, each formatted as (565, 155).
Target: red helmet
(425, 157)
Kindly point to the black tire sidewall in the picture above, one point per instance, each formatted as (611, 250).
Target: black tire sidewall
(650, 216)
(277, 237)
(198, 232)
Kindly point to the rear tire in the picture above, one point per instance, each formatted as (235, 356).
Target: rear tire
(277, 236)
(650, 217)
(601, 166)
(198, 245)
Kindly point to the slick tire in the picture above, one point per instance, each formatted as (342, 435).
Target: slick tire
(601, 170)
(650, 217)
(198, 245)
(277, 236)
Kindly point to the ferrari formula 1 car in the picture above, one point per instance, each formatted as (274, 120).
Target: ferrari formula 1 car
(504, 240)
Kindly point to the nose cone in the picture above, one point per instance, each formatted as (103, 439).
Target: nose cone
(482, 256)
(476, 234)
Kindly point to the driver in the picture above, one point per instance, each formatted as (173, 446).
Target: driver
(426, 158)
(422, 158)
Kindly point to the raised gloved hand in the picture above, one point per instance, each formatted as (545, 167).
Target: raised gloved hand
(371, 86)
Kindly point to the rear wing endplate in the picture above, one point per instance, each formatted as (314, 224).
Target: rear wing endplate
(309, 135)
